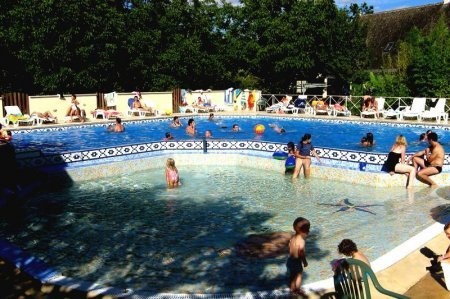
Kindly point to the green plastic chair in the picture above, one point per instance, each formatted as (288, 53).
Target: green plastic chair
(351, 280)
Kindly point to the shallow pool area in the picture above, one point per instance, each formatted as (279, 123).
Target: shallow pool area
(130, 231)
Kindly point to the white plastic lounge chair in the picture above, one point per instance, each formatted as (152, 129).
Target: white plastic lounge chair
(321, 108)
(275, 108)
(15, 116)
(152, 106)
(415, 110)
(110, 104)
(38, 120)
(379, 112)
(339, 110)
(187, 109)
(437, 112)
(132, 111)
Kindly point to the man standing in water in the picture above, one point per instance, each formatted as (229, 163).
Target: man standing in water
(429, 161)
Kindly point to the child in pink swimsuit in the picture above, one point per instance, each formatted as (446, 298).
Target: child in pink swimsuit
(172, 177)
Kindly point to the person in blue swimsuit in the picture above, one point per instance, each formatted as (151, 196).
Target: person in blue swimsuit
(395, 162)
(303, 156)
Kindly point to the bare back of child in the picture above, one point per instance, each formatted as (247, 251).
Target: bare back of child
(297, 256)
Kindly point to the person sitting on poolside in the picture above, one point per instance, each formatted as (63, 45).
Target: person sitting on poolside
(176, 122)
(430, 160)
(235, 128)
(74, 110)
(190, 129)
(117, 127)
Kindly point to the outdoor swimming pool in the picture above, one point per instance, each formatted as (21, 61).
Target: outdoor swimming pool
(335, 134)
(130, 231)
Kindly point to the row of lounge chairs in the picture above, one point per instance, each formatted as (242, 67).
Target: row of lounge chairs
(15, 116)
(416, 110)
(300, 105)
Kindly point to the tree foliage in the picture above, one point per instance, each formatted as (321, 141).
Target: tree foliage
(419, 68)
(100, 45)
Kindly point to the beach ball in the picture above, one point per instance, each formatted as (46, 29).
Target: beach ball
(259, 129)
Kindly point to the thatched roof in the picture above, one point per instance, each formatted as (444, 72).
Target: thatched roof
(393, 25)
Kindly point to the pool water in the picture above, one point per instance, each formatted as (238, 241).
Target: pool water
(130, 231)
(343, 135)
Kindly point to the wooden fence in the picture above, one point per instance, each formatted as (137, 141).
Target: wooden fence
(16, 99)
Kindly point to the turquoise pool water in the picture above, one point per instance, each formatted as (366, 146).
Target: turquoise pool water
(130, 231)
(330, 134)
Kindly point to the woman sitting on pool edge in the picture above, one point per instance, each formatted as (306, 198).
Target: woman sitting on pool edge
(395, 162)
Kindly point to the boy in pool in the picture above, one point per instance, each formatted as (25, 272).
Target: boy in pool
(297, 258)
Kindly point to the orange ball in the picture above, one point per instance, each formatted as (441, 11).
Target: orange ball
(259, 129)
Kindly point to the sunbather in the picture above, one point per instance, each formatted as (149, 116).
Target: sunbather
(74, 110)
(46, 116)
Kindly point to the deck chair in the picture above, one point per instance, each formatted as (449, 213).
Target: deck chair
(132, 111)
(15, 116)
(415, 110)
(351, 280)
(379, 112)
(110, 104)
(275, 108)
(437, 112)
(321, 108)
(41, 118)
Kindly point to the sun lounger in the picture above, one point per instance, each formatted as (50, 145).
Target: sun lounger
(437, 112)
(415, 110)
(15, 116)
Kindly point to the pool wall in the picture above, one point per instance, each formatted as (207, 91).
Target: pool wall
(341, 165)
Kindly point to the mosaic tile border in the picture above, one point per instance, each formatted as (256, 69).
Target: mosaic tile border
(331, 157)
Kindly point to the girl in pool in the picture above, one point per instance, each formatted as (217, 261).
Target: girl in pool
(172, 176)
(303, 156)
(395, 162)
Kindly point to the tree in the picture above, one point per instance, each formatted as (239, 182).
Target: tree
(427, 73)
(67, 46)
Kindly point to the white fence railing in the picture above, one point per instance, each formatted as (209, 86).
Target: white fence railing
(353, 103)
